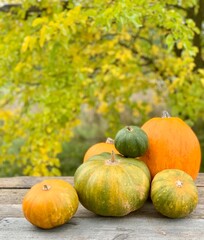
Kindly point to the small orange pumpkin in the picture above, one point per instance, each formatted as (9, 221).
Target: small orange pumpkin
(50, 203)
(101, 147)
(172, 144)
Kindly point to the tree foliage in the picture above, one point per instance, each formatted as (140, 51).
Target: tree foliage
(56, 57)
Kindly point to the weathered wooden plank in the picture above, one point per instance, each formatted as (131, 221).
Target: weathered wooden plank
(15, 211)
(10, 210)
(147, 211)
(145, 223)
(15, 196)
(26, 182)
(101, 228)
(11, 199)
(200, 180)
(12, 196)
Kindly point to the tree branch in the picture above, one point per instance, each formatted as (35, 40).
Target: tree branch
(197, 41)
(176, 6)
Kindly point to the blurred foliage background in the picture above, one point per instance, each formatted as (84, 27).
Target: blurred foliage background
(72, 73)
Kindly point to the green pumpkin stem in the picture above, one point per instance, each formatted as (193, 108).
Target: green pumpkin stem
(129, 128)
(46, 187)
(110, 140)
(179, 183)
(165, 114)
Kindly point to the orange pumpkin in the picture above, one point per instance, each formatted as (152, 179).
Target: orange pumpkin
(172, 144)
(101, 147)
(50, 203)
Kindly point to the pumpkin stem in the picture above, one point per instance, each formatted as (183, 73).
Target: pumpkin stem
(112, 157)
(112, 160)
(46, 187)
(110, 140)
(179, 184)
(165, 114)
(129, 128)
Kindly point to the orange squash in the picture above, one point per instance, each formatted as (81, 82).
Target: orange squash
(172, 144)
(50, 203)
(101, 147)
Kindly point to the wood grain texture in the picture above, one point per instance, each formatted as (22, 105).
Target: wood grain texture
(28, 182)
(145, 223)
(200, 180)
(15, 210)
(147, 211)
(106, 228)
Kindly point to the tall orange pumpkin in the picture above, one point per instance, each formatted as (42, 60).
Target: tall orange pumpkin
(172, 144)
(101, 147)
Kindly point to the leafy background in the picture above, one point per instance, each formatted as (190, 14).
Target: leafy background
(72, 73)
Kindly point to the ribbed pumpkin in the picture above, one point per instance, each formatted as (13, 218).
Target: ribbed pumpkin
(131, 141)
(50, 203)
(174, 193)
(137, 162)
(112, 186)
(172, 144)
(101, 147)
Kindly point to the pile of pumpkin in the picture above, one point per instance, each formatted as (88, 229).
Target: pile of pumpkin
(161, 160)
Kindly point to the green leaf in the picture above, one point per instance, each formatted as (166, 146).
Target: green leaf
(170, 42)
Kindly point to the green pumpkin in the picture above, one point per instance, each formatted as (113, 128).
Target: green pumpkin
(174, 193)
(112, 185)
(131, 141)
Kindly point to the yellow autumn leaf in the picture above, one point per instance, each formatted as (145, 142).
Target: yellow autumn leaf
(25, 44)
(87, 69)
(39, 21)
(49, 129)
(42, 36)
(120, 107)
(5, 114)
(19, 67)
(103, 108)
(32, 43)
(155, 50)
(43, 151)
(55, 172)
(72, 16)
(124, 55)
(179, 45)
(201, 71)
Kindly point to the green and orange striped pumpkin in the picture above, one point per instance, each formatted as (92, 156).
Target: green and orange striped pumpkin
(111, 185)
(174, 193)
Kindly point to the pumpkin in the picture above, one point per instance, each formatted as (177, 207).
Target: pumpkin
(101, 147)
(172, 144)
(50, 203)
(174, 193)
(137, 162)
(131, 141)
(112, 185)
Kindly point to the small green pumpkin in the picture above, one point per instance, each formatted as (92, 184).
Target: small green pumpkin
(110, 185)
(174, 193)
(131, 141)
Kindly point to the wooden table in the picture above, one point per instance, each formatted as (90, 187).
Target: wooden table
(145, 223)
